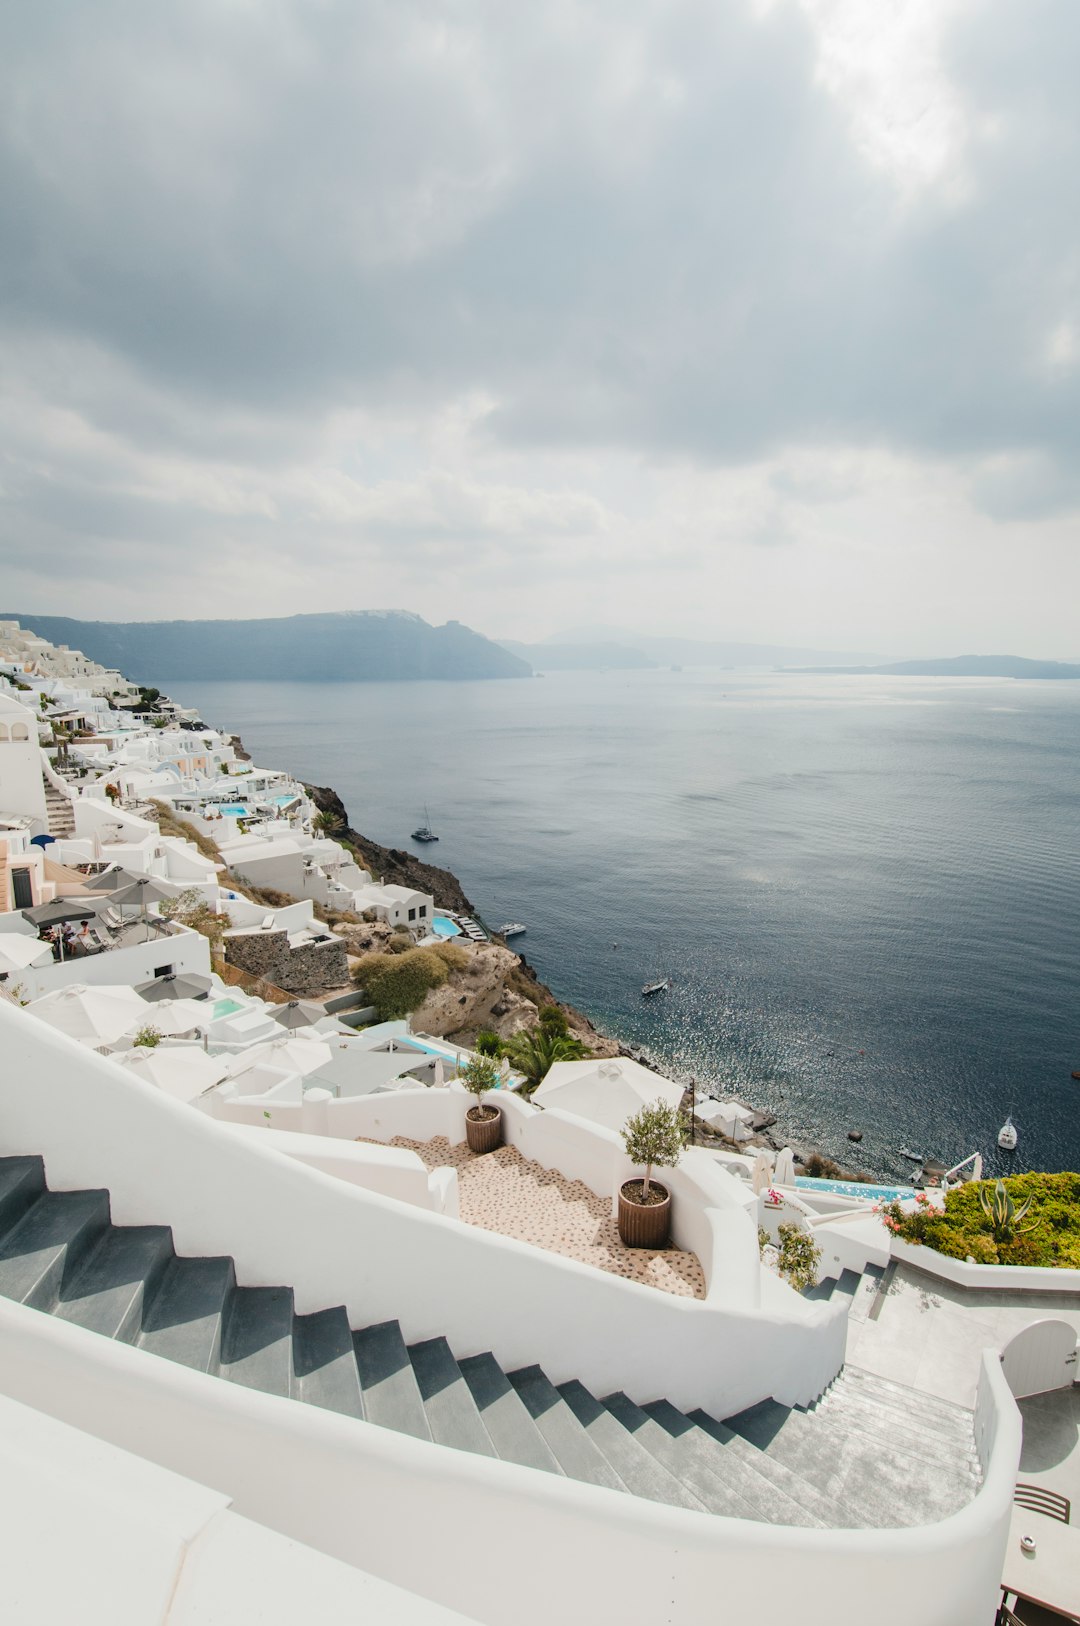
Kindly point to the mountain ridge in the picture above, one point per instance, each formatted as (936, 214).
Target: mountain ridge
(335, 646)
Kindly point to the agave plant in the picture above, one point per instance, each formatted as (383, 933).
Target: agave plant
(1002, 1212)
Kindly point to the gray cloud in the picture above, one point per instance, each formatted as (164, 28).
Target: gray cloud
(640, 231)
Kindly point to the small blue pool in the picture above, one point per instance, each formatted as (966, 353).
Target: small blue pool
(855, 1188)
(236, 810)
(441, 927)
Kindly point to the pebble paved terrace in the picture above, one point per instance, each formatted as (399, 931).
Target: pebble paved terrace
(505, 1192)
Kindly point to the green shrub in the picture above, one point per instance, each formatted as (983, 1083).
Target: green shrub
(148, 1036)
(398, 983)
(799, 1258)
(452, 955)
(965, 1228)
(488, 1043)
(554, 1020)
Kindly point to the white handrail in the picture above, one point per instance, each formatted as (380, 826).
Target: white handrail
(975, 1159)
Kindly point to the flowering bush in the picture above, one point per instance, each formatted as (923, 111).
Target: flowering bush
(964, 1229)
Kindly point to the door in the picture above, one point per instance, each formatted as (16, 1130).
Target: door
(22, 889)
(1041, 1357)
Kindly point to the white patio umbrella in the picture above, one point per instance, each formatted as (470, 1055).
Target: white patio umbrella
(182, 1071)
(439, 1072)
(17, 952)
(784, 1172)
(93, 1015)
(605, 1092)
(761, 1173)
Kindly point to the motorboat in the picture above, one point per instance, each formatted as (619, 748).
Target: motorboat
(660, 986)
(1008, 1136)
(425, 832)
(513, 928)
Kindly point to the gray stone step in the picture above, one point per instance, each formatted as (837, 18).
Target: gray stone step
(184, 1320)
(686, 1456)
(513, 1433)
(770, 1475)
(641, 1472)
(324, 1362)
(44, 1249)
(887, 1487)
(904, 1398)
(387, 1381)
(910, 1431)
(257, 1339)
(451, 1411)
(765, 1499)
(116, 1280)
(577, 1455)
(22, 1181)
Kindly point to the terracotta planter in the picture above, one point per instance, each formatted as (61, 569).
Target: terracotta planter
(644, 1225)
(483, 1134)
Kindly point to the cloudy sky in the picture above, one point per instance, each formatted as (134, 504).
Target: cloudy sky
(754, 318)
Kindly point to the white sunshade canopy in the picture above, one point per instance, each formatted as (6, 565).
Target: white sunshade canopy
(93, 1015)
(17, 952)
(182, 1071)
(605, 1092)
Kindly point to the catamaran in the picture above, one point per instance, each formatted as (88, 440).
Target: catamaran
(425, 832)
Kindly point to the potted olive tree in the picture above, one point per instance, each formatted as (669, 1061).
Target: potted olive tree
(483, 1122)
(654, 1138)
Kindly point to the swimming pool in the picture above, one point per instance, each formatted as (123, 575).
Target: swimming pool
(445, 928)
(236, 810)
(226, 1007)
(855, 1188)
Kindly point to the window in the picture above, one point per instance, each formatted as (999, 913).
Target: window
(423, 911)
(163, 971)
(412, 914)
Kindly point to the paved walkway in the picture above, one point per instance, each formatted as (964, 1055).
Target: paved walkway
(931, 1334)
(505, 1192)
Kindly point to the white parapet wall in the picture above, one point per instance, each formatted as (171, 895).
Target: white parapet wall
(416, 1515)
(1016, 1278)
(101, 1536)
(336, 1243)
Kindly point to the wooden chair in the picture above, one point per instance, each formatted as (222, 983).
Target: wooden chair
(1040, 1500)
(1026, 1613)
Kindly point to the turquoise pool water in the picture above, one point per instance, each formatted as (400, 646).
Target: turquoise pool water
(445, 928)
(855, 1188)
(236, 810)
(226, 1007)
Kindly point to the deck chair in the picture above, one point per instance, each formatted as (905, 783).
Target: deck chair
(1040, 1500)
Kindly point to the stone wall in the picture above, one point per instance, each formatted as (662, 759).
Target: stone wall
(307, 968)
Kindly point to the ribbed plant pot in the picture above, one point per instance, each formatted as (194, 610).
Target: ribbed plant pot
(483, 1134)
(644, 1225)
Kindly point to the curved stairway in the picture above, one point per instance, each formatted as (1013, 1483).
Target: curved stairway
(868, 1453)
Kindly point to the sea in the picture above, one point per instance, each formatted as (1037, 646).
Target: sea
(865, 890)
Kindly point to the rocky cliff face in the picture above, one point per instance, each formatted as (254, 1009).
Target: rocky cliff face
(392, 864)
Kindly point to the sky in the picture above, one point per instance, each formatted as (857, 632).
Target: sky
(754, 319)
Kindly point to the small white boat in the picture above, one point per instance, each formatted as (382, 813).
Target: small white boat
(660, 986)
(513, 928)
(1007, 1135)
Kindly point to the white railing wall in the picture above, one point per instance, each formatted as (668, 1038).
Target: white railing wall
(480, 1535)
(338, 1244)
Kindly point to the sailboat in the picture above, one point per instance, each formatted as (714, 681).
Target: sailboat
(659, 986)
(425, 832)
(1007, 1135)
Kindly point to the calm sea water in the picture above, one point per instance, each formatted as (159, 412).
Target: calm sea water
(867, 891)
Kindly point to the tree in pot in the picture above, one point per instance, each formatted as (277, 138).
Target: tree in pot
(653, 1138)
(483, 1122)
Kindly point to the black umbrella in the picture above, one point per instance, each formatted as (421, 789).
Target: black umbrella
(139, 895)
(61, 909)
(298, 1013)
(112, 880)
(192, 986)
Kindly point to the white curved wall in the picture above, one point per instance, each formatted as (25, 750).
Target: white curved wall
(479, 1535)
(337, 1244)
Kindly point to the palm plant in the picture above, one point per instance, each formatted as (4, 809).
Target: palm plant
(534, 1050)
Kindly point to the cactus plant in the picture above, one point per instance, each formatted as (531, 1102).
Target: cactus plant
(1002, 1212)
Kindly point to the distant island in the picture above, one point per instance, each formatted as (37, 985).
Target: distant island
(365, 645)
(991, 666)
